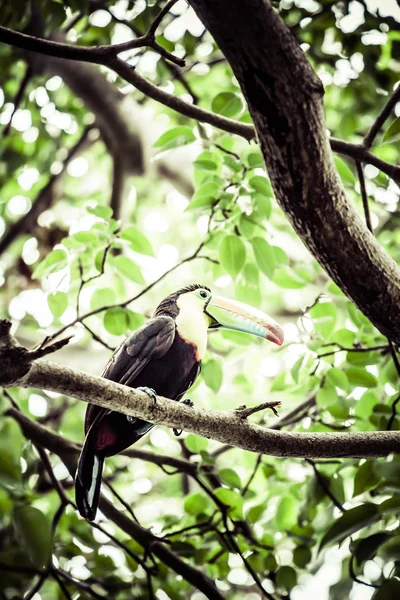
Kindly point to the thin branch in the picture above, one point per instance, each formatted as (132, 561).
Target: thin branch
(341, 348)
(130, 300)
(325, 486)
(78, 583)
(381, 118)
(253, 474)
(97, 56)
(18, 98)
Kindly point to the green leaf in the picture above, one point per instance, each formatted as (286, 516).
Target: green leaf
(102, 297)
(366, 478)
(286, 577)
(255, 159)
(58, 303)
(104, 212)
(136, 320)
(55, 261)
(128, 268)
(196, 443)
(367, 547)
(393, 133)
(230, 478)
(365, 405)
(360, 377)
(338, 378)
(254, 513)
(175, 137)
(344, 170)
(324, 315)
(327, 395)
(138, 241)
(227, 104)
(263, 206)
(207, 161)
(232, 254)
(233, 500)
(288, 279)
(264, 255)
(116, 320)
(205, 196)
(391, 506)
(34, 530)
(196, 504)
(262, 185)
(351, 521)
(286, 513)
(302, 556)
(212, 374)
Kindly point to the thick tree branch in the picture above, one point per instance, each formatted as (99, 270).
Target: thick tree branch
(222, 426)
(290, 124)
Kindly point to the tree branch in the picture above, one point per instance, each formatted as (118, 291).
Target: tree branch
(291, 130)
(380, 120)
(222, 426)
(71, 52)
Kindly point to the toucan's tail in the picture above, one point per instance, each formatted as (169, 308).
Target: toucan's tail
(88, 481)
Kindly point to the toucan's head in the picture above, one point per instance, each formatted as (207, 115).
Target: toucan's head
(196, 309)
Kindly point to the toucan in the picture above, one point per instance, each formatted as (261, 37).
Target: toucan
(163, 358)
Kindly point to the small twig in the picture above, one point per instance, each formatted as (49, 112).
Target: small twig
(381, 118)
(98, 338)
(18, 98)
(121, 500)
(78, 583)
(321, 480)
(355, 578)
(243, 412)
(341, 348)
(253, 474)
(61, 584)
(130, 300)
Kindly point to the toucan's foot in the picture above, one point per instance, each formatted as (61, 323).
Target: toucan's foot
(189, 403)
(150, 392)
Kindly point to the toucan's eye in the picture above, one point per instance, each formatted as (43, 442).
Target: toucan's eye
(203, 294)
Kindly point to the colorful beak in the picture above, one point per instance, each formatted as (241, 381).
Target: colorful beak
(230, 314)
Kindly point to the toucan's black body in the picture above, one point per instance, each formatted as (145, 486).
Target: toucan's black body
(164, 355)
(155, 356)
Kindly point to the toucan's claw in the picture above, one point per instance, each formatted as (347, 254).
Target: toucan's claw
(189, 403)
(150, 392)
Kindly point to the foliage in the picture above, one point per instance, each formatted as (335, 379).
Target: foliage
(249, 522)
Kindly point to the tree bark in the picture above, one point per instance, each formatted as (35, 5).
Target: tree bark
(223, 426)
(285, 99)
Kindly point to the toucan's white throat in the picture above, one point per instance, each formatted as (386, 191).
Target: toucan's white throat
(192, 322)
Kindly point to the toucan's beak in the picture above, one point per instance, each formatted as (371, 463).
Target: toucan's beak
(231, 314)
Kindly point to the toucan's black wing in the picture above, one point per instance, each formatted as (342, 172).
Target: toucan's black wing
(150, 342)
